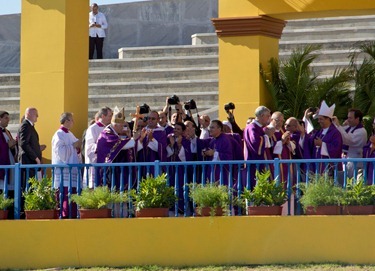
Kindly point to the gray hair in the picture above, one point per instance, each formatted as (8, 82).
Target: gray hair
(65, 116)
(261, 110)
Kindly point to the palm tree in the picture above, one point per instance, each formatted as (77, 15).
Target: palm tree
(294, 87)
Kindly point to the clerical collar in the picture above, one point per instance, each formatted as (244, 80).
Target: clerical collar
(100, 124)
(257, 123)
(325, 131)
(66, 130)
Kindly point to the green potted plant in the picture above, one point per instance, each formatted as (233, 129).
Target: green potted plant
(94, 203)
(321, 196)
(40, 199)
(154, 197)
(359, 198)
(267, 197)
(211, 199)
(5, 203)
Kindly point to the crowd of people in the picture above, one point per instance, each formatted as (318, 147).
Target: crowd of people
(173, 135)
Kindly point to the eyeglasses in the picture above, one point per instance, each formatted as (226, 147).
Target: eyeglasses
(152, 118)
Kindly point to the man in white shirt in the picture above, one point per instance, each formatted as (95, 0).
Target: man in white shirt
(354, 137)
(97, 25)
(91, 137)
(65, 150)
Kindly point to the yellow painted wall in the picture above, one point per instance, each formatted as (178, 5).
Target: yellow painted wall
(240, 81)
(187, 241)
(54, 63)
(293, 9)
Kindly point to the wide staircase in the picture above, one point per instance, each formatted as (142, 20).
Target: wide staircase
(150, 74)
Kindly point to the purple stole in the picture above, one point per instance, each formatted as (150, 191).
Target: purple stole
(4, 154)
(149, 155)
(109, 145)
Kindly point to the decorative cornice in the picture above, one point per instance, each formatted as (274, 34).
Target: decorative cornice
(249, 26)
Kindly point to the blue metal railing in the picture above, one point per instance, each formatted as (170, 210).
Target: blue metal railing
(236, 174)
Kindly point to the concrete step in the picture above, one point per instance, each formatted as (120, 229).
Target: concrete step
(9, 79)
(325, 56)
(330, 22)
(166, 87)
(327, 44)
(155, 62)
(153, 74)
(340, 33)
(10, 91)
(165, 51)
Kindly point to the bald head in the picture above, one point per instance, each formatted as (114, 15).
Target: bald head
(31, 114)
(277, 120)
(291, 124)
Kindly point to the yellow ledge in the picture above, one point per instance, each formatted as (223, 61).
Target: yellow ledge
(187, 241)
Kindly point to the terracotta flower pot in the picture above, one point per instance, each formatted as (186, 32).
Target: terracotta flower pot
(95, 213)
(358, 210)
(42, 214)
(4, 214)
(152, 212)
(206, 211)
(264, 210)
(324, 210)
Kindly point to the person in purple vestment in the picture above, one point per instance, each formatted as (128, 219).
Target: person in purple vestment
(369, 152)
(163, 122)
(281, 146)
(327, 142)
(152, 143)
(256, 141)
(220, 149)
(112, 140)
(179, 150)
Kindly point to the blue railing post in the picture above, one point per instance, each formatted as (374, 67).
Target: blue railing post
(157, 168)
(17, 191)
(277, 170)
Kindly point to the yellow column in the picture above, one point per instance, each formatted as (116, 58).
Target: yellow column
(54, 63)
(244, 43)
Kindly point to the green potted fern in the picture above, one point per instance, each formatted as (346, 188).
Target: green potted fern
(154, 197)
(358, 198)
(40, 199)
(321, 196)
(5, 203)
(267, 197)
(94, 203)
(211, 199)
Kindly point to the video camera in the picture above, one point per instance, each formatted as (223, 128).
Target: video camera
(190, 105)
(144, 109)
(173, 100)
(229, 106)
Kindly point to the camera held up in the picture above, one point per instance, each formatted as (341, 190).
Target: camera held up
(229, 106)
(144, 109)
(190, 105)
(173, 100)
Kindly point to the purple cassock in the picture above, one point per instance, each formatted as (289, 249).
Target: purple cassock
(369, 152)
(109, 147)
(285, 154)
(180, 154)
(333, 141)
(4, 155)
(255, 148)
(146, 154)
(222, 145)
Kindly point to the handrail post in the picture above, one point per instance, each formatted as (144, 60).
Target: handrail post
(277, 170)
(17, 191)
(157, 168)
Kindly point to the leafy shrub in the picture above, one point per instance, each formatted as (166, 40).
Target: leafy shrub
(40, 195)
(321, 192)
(5, 202)
(155, 193)
(210, 195)
(358, 193)
(97, 198)
(265, 192)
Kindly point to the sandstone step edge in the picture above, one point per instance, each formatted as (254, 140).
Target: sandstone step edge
(103, 96)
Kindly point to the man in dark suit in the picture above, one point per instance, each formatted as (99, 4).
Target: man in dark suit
(30, 151)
